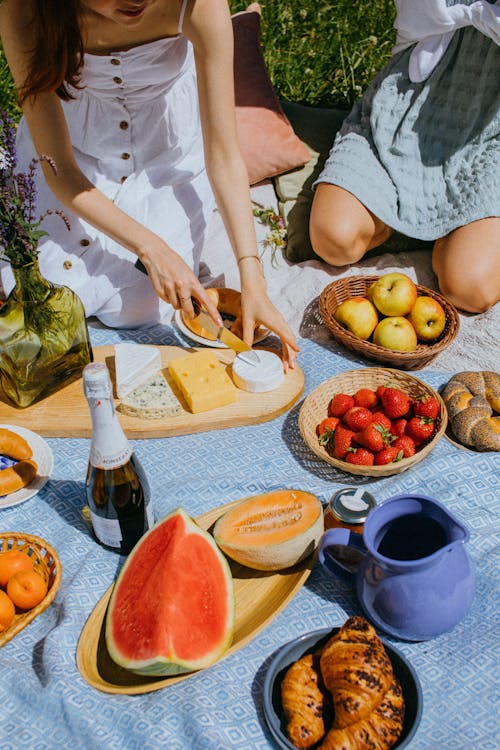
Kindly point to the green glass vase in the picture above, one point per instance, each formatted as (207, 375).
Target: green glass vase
(44, 340)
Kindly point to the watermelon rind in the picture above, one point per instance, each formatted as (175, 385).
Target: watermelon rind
(161, 664)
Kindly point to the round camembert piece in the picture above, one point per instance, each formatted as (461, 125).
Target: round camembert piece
(265, 376)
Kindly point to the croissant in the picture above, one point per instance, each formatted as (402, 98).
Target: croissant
(380, 730)
(303, 702)
(471, 398)
(356, 670)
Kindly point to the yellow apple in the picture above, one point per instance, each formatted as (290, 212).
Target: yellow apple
(393, 294)
(427, 317)
(358, 315)
(395, 333)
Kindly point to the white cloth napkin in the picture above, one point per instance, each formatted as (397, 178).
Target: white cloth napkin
(430, 24)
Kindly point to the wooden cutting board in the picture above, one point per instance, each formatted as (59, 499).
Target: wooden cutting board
(66, 413)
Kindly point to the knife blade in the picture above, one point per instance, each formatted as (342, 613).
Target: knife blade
(226, 336)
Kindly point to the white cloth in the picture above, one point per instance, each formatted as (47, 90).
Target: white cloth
(135, 129)
(430, 25)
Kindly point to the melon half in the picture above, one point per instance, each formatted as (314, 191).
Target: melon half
(271, 531)
(172, 606)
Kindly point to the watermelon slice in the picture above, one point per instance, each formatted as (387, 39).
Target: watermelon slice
(172, 606)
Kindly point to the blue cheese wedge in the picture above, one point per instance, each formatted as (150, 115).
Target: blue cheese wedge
(153, 399)
(134, 364)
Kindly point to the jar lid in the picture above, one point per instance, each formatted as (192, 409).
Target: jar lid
(352, 504)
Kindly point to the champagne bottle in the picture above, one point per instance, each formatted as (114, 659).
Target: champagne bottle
(117, 488)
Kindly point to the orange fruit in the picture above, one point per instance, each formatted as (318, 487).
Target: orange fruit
(12, 562)
(7, 611)
(26, 589)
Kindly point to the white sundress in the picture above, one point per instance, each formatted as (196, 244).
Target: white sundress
(136, 132)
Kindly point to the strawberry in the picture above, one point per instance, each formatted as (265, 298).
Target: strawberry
(426, 406)
(398, 426)
(366, 397)
(420, 429)
(373, 437)
(360, 456)
(406, 444)
(339, 404)
(325, 430)
(379, 417)
(396, 403)
(342, 441)
(388, 455)
(357, 418)
(379, 391)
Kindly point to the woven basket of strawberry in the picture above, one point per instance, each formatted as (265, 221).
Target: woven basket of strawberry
(373, 422)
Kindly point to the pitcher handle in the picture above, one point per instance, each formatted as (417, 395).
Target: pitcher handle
(342, 538)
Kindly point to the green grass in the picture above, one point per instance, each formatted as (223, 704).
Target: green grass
(318, 53)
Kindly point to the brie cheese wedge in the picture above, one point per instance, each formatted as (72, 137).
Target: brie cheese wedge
(134, 364)
(265, 376)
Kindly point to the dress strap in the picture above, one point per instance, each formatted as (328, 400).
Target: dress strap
(181, 17)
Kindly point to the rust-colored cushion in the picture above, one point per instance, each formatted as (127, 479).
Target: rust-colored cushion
(268, 143)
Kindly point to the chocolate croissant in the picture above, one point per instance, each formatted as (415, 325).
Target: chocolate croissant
(356, 670)
(380, 730)
(303, 702)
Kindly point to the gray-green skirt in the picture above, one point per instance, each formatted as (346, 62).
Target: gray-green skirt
(425, 157)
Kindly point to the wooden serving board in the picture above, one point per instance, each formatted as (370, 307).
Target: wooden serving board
(259, 597)
(66, 412)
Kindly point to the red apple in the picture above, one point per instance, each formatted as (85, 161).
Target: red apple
(358, 315)
(393, 294)
(428, 318)
(395, 333)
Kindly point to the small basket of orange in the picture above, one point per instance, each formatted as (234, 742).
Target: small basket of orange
(30, 575)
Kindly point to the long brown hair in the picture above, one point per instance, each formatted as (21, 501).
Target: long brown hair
(57, 55)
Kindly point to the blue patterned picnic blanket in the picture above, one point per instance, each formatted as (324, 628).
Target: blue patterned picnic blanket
(47, 705)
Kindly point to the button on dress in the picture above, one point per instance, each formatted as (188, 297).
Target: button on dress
(136, 133)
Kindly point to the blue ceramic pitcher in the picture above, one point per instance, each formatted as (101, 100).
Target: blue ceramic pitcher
(413, 575)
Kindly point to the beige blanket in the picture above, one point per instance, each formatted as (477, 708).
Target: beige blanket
(295, 288)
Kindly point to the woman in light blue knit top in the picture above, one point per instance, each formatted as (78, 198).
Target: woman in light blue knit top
(420, 152)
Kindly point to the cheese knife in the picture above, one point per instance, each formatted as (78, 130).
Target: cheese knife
(221, 333)
(224, 335)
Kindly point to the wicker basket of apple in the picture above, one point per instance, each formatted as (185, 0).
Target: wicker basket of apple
(389, 319)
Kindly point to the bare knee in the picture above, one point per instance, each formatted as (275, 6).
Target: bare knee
(469, 294)
(338, 242)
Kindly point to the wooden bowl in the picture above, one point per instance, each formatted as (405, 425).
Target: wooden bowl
(357, 286)
(315, 406)
(45, 562)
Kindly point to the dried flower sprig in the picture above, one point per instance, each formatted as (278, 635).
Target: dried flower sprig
(276, 239)
(20, 230)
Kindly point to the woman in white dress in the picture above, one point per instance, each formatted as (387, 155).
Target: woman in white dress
(134, 102)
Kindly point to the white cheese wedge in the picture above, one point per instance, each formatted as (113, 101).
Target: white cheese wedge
(151, 400)
(134, 364)
(265, 376)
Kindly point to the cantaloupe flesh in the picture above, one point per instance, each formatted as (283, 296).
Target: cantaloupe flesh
(271, 531)
(172, 608)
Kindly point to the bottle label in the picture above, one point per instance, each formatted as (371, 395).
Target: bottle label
(107, 460)
(107, 530)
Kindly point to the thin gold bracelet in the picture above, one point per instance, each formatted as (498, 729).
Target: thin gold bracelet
(244, 257)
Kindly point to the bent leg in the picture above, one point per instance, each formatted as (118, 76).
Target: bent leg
(341, 228)
(467, 264)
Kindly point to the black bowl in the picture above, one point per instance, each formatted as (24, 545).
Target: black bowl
(291, 652)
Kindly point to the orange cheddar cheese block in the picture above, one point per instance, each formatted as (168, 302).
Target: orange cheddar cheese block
(203, 381)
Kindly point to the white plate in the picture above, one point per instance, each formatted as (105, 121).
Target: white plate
(259, 336)
(42, 454)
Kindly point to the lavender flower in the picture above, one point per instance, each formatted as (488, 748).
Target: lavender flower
(19, 228)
